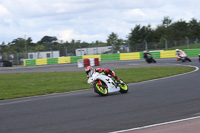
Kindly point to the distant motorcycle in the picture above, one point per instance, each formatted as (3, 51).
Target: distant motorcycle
(199, 57)
(149, 59)
(183, 57)
(103, 85)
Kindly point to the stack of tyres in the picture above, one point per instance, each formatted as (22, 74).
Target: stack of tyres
(96, 60)
(92, 63)
(86, 62)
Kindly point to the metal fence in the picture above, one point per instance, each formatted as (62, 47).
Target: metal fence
(17, 58)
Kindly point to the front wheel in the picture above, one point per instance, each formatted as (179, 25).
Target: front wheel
(123, 87)
(102, 90)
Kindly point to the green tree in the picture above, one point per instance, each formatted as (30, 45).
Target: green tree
(194, 29)
(48, 40)
(113, 41)
(138, 35)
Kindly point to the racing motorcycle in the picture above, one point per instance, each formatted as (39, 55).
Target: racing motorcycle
(183, 57)
(150, 59)
(199, 57)
(104, 85)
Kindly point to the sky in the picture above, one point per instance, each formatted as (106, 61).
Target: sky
(87, 20)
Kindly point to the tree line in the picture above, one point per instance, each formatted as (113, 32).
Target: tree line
(174, 32)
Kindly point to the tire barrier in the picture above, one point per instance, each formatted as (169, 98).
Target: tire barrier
(80, 63)
(88, 62)
(96, 60)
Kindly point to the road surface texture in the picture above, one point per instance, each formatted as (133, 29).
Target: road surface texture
(146, 103)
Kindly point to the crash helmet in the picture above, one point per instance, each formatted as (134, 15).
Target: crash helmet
(177, 50)
(144, 51)
(88, 69)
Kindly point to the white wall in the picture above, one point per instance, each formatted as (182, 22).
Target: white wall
(92, 50)
(43, 54)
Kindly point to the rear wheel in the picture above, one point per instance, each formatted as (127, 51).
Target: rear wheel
(101, 89)
(189, 59)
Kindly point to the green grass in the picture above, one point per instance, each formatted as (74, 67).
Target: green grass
(31, 84)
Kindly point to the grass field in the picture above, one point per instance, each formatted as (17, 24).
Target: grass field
(31, 84)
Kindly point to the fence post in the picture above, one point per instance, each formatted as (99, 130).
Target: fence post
(188, 44)
(165, 44)
(146, 45)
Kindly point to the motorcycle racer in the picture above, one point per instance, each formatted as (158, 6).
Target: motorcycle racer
(180, 54)
(104, 71)
(177, 53)
(148, 57)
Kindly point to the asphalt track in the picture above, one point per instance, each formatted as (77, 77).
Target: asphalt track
(146, 103)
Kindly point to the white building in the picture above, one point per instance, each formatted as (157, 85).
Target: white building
(92, 50)
(43, 54)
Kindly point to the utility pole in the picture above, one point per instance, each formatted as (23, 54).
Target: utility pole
(65, 51)
(25, 46)
(188, 43)
(146, 45)
(165, 44)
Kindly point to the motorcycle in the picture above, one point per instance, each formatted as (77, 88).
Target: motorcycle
(199, 57)
(183, 57)
(104, 85)
(150, 59)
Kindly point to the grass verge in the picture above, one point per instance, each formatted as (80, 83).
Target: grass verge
(31, 84)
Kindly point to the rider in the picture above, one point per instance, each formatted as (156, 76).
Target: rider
(103, 70)
(146, 54)
(177, 53)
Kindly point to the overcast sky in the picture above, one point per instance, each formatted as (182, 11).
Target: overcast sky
(87, 20)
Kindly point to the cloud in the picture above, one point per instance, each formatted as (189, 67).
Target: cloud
(3, 11)
(87, 20)
(68, 35)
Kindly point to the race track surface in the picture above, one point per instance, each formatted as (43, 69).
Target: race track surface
(146, 103)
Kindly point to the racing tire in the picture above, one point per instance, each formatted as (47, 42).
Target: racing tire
(102, 90)
(189, 60)
(123, 87)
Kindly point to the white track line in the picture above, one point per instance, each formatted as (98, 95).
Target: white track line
(160, 124)
(149, 126)
(196, 69)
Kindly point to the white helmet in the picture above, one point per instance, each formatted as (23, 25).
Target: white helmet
(177, 50)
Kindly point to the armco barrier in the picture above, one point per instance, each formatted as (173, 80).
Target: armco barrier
(110, 57)
(41, 61)
(167, 54)
(129, 56)
(192, 52)
(62, 60)
(74, 59)
(30, 62)
(52, 61)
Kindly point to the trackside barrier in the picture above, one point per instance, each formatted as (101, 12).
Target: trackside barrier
(92, 63)
(109, 57)
(80, 63)
(88, 62)
(96, 61)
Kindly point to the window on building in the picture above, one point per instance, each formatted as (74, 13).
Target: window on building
(48, 55)
(30, 56)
